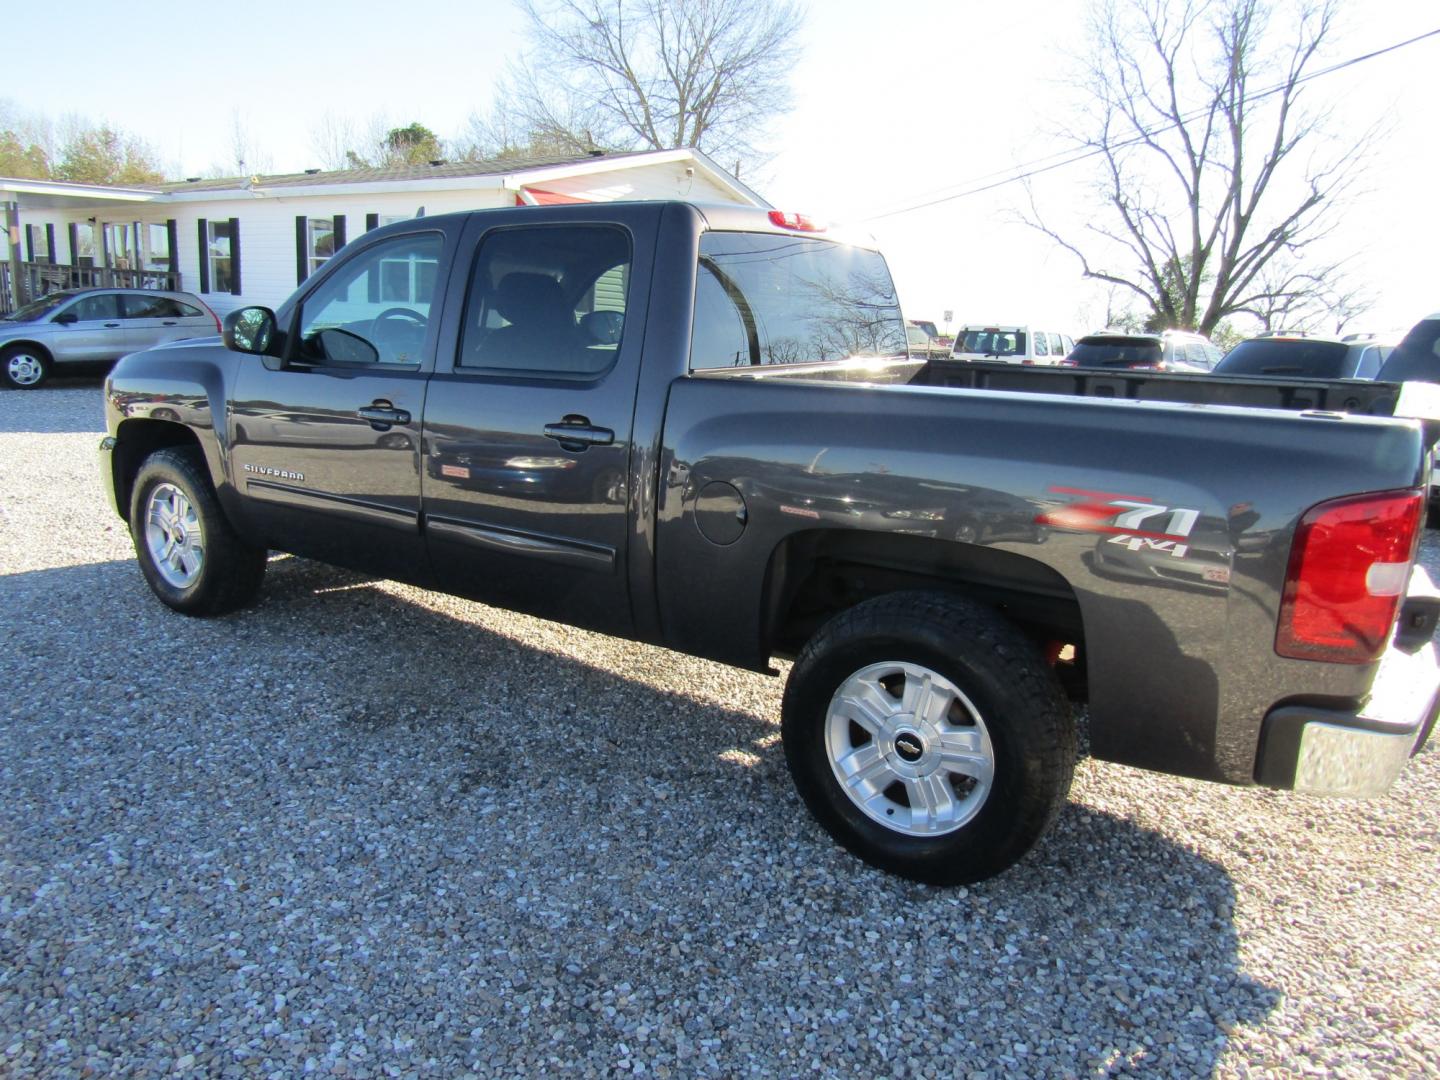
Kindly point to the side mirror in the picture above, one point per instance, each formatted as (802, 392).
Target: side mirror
(249, 330)
(66, 318)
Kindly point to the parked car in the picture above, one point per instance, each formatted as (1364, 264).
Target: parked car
(1174, 350)
(923, 344)
(1011, 344)
(1305, 357)
(933, 330)
(88, 326)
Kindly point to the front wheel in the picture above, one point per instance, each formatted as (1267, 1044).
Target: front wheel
(23, 367)
(928, 736)
(190, 556)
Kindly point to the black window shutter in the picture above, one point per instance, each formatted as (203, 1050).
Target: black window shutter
(204, 257)
(50, 243)
(172, 238)
(372, 221)
(339, 222)
(73, 230)
(29, 243)
(301, 261)
(234, 256)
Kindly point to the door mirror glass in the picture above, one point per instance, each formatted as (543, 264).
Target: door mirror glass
(249, 330)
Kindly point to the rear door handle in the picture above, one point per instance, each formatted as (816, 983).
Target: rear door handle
(111, 325)
(382, 414)
(168, 322)
(576, 433)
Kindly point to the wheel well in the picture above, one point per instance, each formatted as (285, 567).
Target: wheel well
(33, 346)
(134, 442)
(813, 576)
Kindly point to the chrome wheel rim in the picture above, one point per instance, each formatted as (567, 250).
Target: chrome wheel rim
(24, 369)
(173, 536)
(909, 748)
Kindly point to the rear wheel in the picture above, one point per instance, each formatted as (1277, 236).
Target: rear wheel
(928, 736)
(190, 556)
(24, 367)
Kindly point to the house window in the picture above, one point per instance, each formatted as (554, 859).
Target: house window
(157, 247)
(319, 242)
(39, 244)
(406, 280)
(84, 252)
(217, 253)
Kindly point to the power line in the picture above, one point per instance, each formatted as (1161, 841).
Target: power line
(1049, 164)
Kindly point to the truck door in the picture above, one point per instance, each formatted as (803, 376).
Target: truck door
(528, 420)
(327, 447)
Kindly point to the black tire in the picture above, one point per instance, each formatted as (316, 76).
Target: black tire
(1028, 722)
(227, 573)
(24, 367)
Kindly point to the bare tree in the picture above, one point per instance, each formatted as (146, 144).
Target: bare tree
(653, 74)
(1213, 171)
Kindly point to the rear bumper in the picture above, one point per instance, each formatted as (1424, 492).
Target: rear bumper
(1333, 752)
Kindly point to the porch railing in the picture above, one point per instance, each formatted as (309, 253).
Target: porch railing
(38, 279)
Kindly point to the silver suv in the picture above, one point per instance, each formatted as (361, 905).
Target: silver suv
(87, 326)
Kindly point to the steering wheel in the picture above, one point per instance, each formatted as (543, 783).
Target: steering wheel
(400, 334)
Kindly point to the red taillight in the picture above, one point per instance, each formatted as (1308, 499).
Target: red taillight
(1068, 363)
(1348, 569)
(798, 222)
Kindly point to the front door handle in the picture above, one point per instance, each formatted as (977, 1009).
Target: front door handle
(382, 414)
(111, 325)
(168, 322)
(576, 433)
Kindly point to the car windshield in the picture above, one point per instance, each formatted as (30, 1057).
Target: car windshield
(767, 299)
(1116, 352)
(38, 309)
(1287, 356)
(992, 342)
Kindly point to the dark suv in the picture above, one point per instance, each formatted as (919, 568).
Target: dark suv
(1304, 357)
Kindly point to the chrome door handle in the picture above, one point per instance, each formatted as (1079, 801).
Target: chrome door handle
(576, 433)
(382, 414)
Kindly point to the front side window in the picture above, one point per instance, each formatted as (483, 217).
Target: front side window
(98, 308)
(348, 319)
(319, 242)
(217, 252)
(779, 299)
(548, 301)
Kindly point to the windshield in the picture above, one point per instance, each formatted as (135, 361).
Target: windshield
(766, 299)
(992, 342)
(38, 309)
(1117, 353)
(1296, 356)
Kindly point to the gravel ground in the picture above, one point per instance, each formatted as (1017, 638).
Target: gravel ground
(366, 830)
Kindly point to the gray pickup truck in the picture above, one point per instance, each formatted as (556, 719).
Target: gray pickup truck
(698, 427)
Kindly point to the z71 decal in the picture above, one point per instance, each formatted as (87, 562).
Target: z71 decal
(1137, 521)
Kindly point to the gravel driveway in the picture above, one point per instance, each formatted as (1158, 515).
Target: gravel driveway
(366, 830)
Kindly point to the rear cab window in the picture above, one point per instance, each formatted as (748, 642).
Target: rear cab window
(765, 298)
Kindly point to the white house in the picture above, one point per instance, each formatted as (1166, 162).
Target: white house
(251, 240)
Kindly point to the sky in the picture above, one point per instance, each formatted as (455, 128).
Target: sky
(892, 104)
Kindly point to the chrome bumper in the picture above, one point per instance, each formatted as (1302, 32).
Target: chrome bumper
(1331, 752)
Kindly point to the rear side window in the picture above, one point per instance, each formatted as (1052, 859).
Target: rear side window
(548, 300)
(767, 299)
(156, 307)
(1041, 347)
(1293, 357)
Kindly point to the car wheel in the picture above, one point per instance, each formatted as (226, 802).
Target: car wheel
(188, 552)
(24, 367)
(928, 736)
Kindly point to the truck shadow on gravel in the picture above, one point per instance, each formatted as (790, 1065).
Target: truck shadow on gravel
(397, 811)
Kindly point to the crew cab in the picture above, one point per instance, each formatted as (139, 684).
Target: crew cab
(699, 427)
